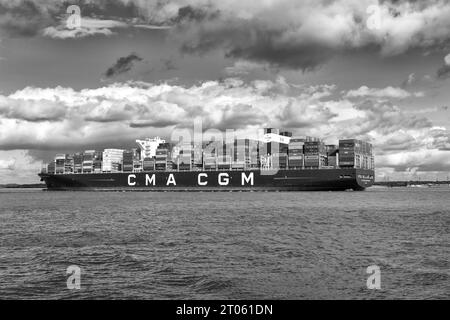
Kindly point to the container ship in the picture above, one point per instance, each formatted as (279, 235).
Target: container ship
(277, 162)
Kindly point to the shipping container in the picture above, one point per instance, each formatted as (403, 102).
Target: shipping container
(314, 164)
(314, 147)
(271, 130)
(51, 168)
(238, 165)
(346, 163)
(296, 154)
(286, 133)
(160, 166)
(347, 144)
(332, 161)
(210, 160)
(330, 149)
(297, 140)
(127, 167)
(184, 167)
(148, 166)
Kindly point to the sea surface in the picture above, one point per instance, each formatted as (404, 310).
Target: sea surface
(232, 245)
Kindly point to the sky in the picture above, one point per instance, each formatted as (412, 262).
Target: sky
(77, 75)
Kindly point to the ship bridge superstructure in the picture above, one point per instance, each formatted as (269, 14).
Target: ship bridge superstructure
(149, 146)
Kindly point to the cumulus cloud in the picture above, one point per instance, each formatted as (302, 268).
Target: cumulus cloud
(62, 118)
(122, 65)
(88, 27)
(444, 71)
(25, 18)
(31, 110)
(447, 60)
(243, 67)
(388, 92)
(305, 34)
(423, 160)
(18, 166)
(410, 80)
(7, 164)
(22, 18)
(283, 33)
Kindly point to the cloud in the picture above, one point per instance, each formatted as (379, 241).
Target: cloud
(31, 110)
(303, 35)
(89, 27)
(155, 123)
(168, 64)
(447, 60)
(243, 67)
(285, 34)
(388, 92)
(7, 164)
(410, 80)
(444, 71)
(18, 166)
(122, 65)
(25, 18)
(115, 115)
(424, 160)
(152, 27)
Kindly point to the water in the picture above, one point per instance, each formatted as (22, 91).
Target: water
(225, 245)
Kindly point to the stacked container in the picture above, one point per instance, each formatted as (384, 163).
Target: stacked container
(271, 130)
(210, 163)
(241, 154)
(198, 156)
(224, 153)
(60, 161)
(78, 163)
(286, 134)
(137, 163)
(51, 168)
(112, 160)
(224, 157)
(282, 159)
(209, 151)
(332, 156)
(69, 164)
(186, 157)
(162, 158)
(355, 153)
(255, 161)
(148, 164)
(348, 149)
(127, 161)
(97, 162)
(295, 151)
(368, 159)
(224, 162)
(275, 148)
(88, 161)
(315, 154)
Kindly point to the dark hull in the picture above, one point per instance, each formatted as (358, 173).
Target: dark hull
(254, 180)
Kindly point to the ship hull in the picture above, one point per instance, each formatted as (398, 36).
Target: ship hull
(251, 180)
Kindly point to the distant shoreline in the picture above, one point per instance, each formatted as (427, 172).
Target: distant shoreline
(22, 186)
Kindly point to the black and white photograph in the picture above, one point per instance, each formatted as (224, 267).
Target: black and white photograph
(224, 155)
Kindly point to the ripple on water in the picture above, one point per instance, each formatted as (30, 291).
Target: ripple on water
(225, 245)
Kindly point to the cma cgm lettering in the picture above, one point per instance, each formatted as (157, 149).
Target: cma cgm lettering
(203, 179)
